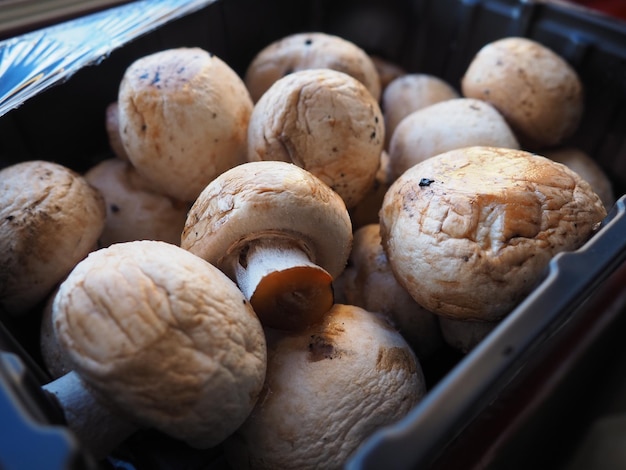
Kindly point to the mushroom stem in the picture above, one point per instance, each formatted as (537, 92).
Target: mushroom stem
(96, 426)
(286, 289)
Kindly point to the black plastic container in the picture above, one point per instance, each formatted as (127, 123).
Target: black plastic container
(531, 388)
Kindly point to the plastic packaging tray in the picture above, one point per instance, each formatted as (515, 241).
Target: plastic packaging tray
(490, 408)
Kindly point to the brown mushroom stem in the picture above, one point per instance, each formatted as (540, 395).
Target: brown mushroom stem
(96, 426)
(286, 289)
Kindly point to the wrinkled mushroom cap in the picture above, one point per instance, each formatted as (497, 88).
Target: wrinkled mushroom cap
(444, 126)
(50, 218)
(537, 91)
(327, 389)
(135, 212)
(469, 232)
(183, 117)
(313, 50)
(268, 198)
(164, 337)
(325, 122)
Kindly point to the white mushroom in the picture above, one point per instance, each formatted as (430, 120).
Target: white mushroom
(134, 211)
(537, 91)
(327, 389)
(277, 230)
(112, 127)
(325, 122)
(387, 70)
(370, 283)
(366, 211)
(183, 117)
(470, 232)
(50, 219)
(444, 126)
(157, 338)
(311, 50)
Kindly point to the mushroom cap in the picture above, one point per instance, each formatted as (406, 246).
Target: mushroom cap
(537, 91)
(580, 162)
(164, 337)
(388, 71)
(134, 211)
(268, 198)
(327, 389)
(410, 92)
(464, 335)
(324, 121)
(366, 211)
(54, 357)
(371, 284)
(112, 126)
(310, 50)
(183, 116)
(470, 232)
(444, 126)
(50, 218)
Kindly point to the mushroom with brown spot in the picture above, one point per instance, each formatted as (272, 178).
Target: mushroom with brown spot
(277, 230)
(157, 338)
(470, 232)
(324, 121)
(327, 389)
(50, 219)
(310, 50)
(183, 117)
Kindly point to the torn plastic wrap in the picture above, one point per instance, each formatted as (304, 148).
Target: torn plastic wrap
(38, 60)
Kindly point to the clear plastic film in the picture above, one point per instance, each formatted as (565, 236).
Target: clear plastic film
(37, 60)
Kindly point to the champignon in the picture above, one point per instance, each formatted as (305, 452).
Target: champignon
(536, 90)
(183, 117)
(444, 126)
(388, 71)
(470, 232)
(327, 389)
(112, 126)
(310, 50)
(464, 335)
(50, 218)
(366, 211)
(277, 230)
(157, 338)
(410, 92)
(325, 122)
(370, 284)
(134, 211)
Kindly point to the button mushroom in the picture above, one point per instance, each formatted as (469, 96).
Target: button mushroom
(537, 91)
(311, 50)
(325, 122)
(134, 211)
(366, 211)
(50, 218)
(327, 389)
(277, 230)
(464, 335)
(112, 127)
(183, 117)
(444, 126)
(157, 338)
(470, 232)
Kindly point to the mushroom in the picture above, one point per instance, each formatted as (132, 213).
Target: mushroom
(387, 70)
(50, 218)
(327, 389)
(277, 230)
(536, 90)
(410, 92)
(366, 211)
(157, 338)
(183, 117)
(369, 283)
(112, 126)
(464, 335)
(310, 50)
(134, 211)
(579, 161)
(444, 126)
(325, 122)
(470, 232)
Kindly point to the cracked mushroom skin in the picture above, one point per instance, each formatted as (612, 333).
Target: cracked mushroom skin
(183, 117)
(470, 232)
(163, 339)
(312, 50)
(324, 121)
(50, 219)
(327, 389)
(277, 230)
(537, 91)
